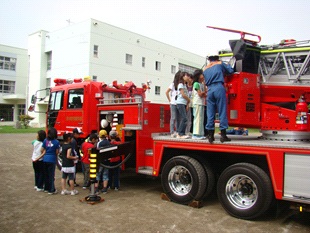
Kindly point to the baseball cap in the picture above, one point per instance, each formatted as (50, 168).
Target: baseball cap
(113, 133)
(77, 130)
(102, 133)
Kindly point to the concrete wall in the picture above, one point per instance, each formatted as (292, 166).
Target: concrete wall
(72, 50)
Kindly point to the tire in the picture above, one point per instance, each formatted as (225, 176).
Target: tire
(59, 161)
(183, 179)
(210, 179)
(245, 191)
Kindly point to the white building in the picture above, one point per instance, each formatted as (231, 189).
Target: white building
(105, 53)
(13, 83)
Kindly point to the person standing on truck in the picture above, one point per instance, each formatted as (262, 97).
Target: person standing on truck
(171, 96)
(49, 152)
(68, 167)
(216, 98)
(182, 102)
(199, 97)
(38, 165)
(86, 147)
(76, 148)
(103, 173)
(189, 113)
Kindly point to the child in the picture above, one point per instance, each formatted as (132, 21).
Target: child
(182, 102)
(49, 151)
(68, 167)
(36, 162)
(103, 173)
(86, 147)
(114, 173)
(198, 105)
(171, 96)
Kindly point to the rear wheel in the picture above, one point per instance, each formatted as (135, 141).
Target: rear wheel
(245, 191)
(210, 179)
(183, 179)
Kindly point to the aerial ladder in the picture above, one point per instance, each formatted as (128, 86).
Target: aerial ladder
(272, 88)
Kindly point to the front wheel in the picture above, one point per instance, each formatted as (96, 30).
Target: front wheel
(59, 161)
(183, 179)
(245, 191)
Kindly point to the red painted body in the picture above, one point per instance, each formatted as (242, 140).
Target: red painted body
(249, 105)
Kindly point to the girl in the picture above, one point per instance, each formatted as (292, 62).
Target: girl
(49, 152)
(199, 96)
(182, 102)
(171, 96)
(37, 162)
(68, 167)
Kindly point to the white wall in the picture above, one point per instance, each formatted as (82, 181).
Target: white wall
(72, 57)
(20, 76)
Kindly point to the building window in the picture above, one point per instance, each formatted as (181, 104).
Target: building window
(186, 68)
(158, 65)
(128, 59)
(49, 61)
(48, 85)
(157, 90)
(173, 69)
(7, 63)
(7, 112)
(21, 109)
(143, 61)
(94, 78)
(96, 47)
(7, 86)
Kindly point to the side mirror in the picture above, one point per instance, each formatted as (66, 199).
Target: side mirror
(31, 108)
(33, 99)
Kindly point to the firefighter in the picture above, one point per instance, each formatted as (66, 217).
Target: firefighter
(216, 98)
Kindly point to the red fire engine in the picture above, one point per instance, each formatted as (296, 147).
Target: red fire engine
(269, 90)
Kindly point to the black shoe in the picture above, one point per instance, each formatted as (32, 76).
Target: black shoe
(76, 185)
(211, 136)
(224, 138)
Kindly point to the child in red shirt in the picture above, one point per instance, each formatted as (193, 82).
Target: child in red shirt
(86, 147)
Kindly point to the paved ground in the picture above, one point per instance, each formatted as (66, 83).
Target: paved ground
(137, 207)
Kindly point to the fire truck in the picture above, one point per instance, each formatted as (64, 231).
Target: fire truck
(269, 90)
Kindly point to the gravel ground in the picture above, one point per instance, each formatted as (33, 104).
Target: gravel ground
(137, 207)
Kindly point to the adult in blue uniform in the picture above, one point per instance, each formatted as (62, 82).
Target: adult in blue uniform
(216, 97)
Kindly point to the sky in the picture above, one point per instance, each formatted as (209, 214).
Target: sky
(181, 23)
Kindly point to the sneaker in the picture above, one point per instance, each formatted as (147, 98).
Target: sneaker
(104, 190)
(46, 191)
(74, 192)
(174, 135)
(184, 137)
(198, 137)
(40, 190)
(84, 187)
(51, 193)
(35, 187)
(116, 188)
(64, 192)
(76, 185)
(96, 191)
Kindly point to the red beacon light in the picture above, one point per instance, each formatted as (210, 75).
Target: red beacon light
(60, 81)
(77, 80)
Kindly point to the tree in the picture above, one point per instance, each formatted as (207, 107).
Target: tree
(25, 120)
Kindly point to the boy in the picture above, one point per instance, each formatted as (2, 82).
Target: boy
(103, 173)
(86, 147)
(115, 172)
(68, 167)
(76, 133)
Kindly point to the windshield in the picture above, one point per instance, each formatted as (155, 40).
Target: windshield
(55, 102)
